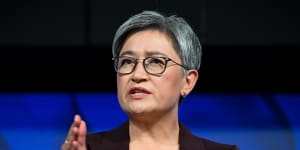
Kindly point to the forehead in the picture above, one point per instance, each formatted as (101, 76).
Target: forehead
(148, 42)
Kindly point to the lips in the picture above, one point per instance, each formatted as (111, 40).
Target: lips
(138, 92)
(135, 90)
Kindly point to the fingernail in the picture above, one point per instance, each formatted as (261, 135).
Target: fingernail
(75, 117)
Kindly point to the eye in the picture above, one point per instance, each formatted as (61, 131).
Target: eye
(125, 61)
(156, 61)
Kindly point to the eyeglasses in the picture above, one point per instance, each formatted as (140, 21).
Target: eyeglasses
(152, 65)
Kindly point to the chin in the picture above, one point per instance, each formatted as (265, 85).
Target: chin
(136, 111)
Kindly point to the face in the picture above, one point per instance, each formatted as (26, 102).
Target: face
(140, 93)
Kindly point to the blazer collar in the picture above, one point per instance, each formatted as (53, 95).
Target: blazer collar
(119, 138)
(188, 141)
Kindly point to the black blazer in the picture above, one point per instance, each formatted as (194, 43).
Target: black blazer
(118, 139)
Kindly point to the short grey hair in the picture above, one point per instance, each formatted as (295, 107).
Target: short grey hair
(185, 41)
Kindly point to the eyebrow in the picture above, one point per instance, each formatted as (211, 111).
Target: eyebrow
(130, 52)
(148, 53)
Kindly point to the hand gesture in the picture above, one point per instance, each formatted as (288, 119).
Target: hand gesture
(76, 136)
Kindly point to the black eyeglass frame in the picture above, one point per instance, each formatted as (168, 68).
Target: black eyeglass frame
(136, 60)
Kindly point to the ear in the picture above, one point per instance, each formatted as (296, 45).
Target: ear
(190, 81)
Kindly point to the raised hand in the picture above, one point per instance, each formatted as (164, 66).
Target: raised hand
(75, 139)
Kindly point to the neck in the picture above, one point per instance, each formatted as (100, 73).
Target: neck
(155, 129)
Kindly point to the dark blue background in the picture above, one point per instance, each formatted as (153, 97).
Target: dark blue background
(249, 120)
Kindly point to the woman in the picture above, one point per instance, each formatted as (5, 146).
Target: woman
(156, 59)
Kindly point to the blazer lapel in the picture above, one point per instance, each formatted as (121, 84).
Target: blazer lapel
(118, 138)
(188, 141)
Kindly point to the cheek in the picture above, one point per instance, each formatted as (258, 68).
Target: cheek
(172, 83)
(120, 90)
(120, 83)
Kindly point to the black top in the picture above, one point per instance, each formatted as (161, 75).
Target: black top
(118, 139)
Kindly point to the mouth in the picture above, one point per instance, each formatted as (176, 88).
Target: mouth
(138, 92)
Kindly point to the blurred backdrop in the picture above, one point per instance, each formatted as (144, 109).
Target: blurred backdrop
(55, 61)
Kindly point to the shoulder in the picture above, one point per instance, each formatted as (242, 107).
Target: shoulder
(190, 141)
(213, 145)
(95, 139)
(111, 139)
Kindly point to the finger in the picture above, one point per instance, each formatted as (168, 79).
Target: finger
(72, 134)
(73, 131)
(68, 146)
(79, 144)
(82, 133)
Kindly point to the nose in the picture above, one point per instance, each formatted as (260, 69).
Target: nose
(139, 74)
